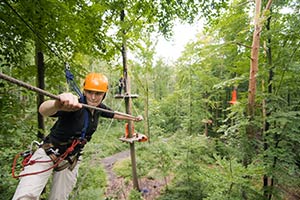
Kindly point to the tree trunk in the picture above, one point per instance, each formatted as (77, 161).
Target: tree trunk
(39, 59)
(251, 129)
(254, 60)
(267, 193)
(128, 106)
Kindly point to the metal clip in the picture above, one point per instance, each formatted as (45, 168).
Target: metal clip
(67, 66)
(26, 153)
(55, 152)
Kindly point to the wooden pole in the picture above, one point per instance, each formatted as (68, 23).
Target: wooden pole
(128, 105)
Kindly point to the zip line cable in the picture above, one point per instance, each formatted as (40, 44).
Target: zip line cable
(43, 92)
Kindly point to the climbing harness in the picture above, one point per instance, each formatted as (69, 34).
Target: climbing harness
(27, 161)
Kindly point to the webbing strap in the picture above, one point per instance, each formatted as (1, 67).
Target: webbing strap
(31, 162)
(86, 123)
(70, 80)
(72, 84)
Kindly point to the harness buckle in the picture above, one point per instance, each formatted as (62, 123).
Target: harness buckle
(52, 151)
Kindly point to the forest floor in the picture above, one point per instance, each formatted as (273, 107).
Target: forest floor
(119, 188)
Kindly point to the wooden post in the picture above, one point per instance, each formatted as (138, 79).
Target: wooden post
(39, 59)
(128, 106)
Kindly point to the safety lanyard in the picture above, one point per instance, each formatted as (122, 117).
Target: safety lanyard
(70, 80)
(72, 84)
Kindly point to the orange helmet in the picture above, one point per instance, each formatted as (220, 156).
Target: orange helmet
(96, 82)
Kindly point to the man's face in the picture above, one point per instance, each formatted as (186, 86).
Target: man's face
(93, 98)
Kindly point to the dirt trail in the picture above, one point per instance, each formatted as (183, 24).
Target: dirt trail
(109, 162)
(119, 188)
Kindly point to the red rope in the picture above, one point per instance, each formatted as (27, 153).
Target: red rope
(27, 161)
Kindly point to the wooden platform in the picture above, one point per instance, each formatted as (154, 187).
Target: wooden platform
(138, 137)
(121, 96)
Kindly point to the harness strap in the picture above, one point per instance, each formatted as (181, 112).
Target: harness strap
(31, 162)
(70, 162)
(86, 123)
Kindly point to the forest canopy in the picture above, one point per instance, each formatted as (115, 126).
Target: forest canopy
(222, 120)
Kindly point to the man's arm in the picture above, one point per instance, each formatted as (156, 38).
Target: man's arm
(66, 102)
(123, 117)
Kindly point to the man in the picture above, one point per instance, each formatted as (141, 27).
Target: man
(62, 147)
(121, 85)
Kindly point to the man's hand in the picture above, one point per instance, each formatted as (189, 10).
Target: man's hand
(67, 102)
(139, 118)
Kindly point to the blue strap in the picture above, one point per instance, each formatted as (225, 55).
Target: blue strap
(72, 84)
(86, 123)
(70, 80)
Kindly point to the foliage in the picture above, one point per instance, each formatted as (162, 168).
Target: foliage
(123, 168)
(281, 158)
(204, 171)
(179, 96)
(105, 140)
(17, 131)
(228, 178)
(91, 193)
(91, 182)
(135, 195)
(167, 114)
